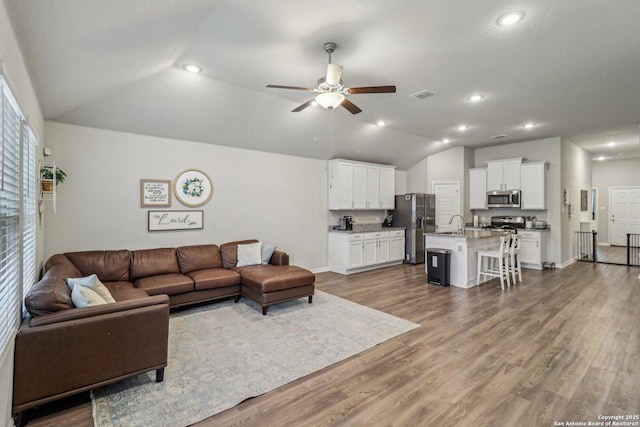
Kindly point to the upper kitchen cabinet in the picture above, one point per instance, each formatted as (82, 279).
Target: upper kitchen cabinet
(478, 188)
(533, 185)
(357, 185)
(503, 174)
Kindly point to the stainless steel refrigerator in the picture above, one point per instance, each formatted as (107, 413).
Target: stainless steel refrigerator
(417, 213)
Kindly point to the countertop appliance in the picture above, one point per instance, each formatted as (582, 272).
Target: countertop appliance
(345, 223)
(502, 223)
(503, 199)
(539, 224)
(416, 212)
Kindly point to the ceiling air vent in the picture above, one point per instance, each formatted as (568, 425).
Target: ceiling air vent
(423, 94)
(502, 135)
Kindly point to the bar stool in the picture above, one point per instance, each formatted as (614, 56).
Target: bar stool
(514, 258)
(499, 256)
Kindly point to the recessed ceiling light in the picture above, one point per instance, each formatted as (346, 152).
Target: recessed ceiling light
(381, 123)
(611, 144)
(192, 68)
(446, 140)
(510, 18)
(601, 158)
(475, 98)
(462, 128)
(529, 125)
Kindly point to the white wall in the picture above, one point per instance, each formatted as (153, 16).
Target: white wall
(548, 150)
(418, 177)
(15, 71)
(275, 198)
(612, 173)
(576, 176)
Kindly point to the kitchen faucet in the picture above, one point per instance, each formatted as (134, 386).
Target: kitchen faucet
(461, 229)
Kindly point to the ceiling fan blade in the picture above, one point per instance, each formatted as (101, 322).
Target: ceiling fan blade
(334, 72)
(371, 89)
(353, 108)
(291, 87)
(303, 106)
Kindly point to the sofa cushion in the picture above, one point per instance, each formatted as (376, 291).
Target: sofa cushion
(152, 262)
(83, 296)
(125, 294)
(107, 265)
(51, 293)
(271, 278)
(249, 254)
(198, 257)
(169, 284)
(229, 252)
(214, 278)
(267, 252)
(92, 283)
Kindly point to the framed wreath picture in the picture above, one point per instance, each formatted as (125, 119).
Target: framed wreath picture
(193, 188)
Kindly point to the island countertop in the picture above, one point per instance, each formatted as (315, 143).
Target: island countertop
(469, 234)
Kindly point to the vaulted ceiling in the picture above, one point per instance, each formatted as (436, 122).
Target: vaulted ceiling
(572, 67)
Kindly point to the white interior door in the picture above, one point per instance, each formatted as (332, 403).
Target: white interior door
(624, 205)
(447, 205)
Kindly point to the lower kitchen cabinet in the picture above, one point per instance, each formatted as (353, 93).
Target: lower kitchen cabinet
(355, 252)
(533, 248)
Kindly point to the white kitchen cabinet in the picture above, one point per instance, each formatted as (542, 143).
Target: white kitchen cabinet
(503, 174)
(340, 185)
(478, 188)
(533, 185)
(396, 245)
(354, 252)
(373, 187)
(387, 188)
(533, 248)
(357, 185)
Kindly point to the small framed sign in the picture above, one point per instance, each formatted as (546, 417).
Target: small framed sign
(175, 220)
(155, 193)
(193, 188)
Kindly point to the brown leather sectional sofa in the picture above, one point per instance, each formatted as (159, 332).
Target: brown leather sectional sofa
(62, 350)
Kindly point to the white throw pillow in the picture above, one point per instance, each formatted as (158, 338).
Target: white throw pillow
(267, 251)
(92, 282)
(85, 297)
(250, 254)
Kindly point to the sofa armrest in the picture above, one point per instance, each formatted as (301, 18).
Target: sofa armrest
(69, 354)
(96, 310)
(279, 258)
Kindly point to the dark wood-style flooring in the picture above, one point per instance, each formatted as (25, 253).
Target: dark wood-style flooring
(562, 346)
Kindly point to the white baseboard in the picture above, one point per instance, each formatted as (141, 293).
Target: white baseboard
(319, 270)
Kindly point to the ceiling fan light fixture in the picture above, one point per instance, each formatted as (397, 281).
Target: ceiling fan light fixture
(334, 72)
(329, 100)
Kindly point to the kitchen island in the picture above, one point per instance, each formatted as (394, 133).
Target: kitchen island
(464, 252)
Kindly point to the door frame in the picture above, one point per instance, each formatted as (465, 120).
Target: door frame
(629, 187)
(460, 201)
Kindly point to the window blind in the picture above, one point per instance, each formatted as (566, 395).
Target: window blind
(29, 208)
(10, 198)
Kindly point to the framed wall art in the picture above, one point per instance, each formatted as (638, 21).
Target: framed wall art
(155, 193)
(193, 188)
(175, 220)
(584, 200)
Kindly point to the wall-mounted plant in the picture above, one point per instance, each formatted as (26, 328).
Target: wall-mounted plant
(46, 173)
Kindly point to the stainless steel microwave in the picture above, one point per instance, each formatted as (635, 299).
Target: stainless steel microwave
(503, 199)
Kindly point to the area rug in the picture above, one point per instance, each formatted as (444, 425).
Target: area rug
(223, 353)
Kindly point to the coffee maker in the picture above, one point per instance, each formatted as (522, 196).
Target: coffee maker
(345, 223)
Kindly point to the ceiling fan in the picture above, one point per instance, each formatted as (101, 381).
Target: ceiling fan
(331, 92)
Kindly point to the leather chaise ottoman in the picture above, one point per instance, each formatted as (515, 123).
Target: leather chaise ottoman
(271, 284)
